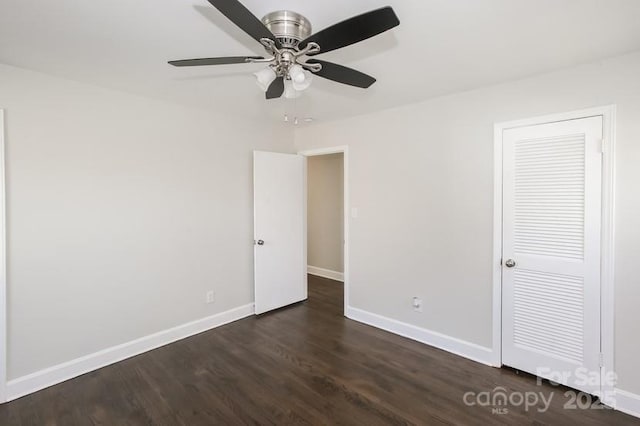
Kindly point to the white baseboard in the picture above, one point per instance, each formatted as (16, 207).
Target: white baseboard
(627, 402)
(59, 373)
(325, 273)
(441, 341)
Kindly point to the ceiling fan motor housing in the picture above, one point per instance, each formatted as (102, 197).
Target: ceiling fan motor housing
(290, 28)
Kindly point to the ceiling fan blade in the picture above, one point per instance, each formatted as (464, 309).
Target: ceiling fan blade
(276, 89)
(353, 30)
(213, 61)
(243, 18)
(343, 74)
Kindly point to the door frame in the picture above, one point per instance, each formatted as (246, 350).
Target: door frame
(608, 114)
(343, 149)
(3, 269)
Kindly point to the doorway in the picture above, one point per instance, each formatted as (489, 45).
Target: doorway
(553, 310)
(327, 224)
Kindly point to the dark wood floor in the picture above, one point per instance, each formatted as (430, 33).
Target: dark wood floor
(305, 364)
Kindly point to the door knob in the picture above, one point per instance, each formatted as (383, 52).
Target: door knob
(510, 263)
(260, 242)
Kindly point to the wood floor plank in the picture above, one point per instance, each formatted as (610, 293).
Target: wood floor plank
(302, 365)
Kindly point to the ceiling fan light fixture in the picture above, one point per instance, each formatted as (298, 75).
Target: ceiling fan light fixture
(265, 77)
(289, 91)
(305, 83)
(296, 72)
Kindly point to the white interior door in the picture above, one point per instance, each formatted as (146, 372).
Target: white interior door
(551, 251)
(279, 212)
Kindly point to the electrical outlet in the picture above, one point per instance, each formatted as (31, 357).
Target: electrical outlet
(210, 297)
(417, 304)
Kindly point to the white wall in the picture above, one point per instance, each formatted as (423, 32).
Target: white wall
(325, 212)
(122, 212)
(421, 177)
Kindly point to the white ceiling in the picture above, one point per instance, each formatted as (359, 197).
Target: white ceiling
(441, 46)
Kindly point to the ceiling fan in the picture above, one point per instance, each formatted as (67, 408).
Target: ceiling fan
(287, 38)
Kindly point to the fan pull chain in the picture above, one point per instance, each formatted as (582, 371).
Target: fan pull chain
(287, 119)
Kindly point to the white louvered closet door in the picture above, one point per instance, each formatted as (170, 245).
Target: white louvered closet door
(552, 190)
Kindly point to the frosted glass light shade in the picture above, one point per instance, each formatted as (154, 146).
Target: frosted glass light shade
(289, 91)
(305, 83)
(296, 72)
(265, 77)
